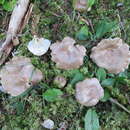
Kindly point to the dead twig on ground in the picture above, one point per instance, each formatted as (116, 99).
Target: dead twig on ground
(18, 20)
(118, 104)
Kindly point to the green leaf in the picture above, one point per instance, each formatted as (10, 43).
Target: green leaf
(121, 79)
(83, 33)
(52, 95)
(101, 74)
(106, 96)
(19, 106)
(90, 3)
(9, 5)
(76, 78)
(2, 1)
(103, 27)
(81, 22)
(123, 74)
(111, 75)
(108, 82)
(128, 74)
(91, 120)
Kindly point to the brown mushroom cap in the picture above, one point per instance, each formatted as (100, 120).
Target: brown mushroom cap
(66, 55)
(80, 4)
(89, 92)
(17, 75)
(111, 54)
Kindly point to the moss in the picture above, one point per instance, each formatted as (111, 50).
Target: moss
(57, 20)
(115, 121)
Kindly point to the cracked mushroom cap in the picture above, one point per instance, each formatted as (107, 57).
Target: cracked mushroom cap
(89, 92)
(111, 54)
(66, 55)
(80, 4)
(18, 74)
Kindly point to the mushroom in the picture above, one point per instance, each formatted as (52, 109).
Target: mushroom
(60, 80)
(18, 75)
(48, 124)
(89, 92)
(111, 54)
(66, 55)
(80, 4)
(39, 46)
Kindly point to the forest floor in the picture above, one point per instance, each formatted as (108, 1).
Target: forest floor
(58, 19)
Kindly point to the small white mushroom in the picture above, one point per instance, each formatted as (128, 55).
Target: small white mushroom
(49, 124)
(63, 126)
(60, 80)
(18, 75)
(80, 4)
(66, 55)
(39, 46)
(111, 54)
(89, 92)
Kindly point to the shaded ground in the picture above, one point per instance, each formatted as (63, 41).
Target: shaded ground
(57, 20)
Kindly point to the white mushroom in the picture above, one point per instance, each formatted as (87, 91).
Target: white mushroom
(111, 54)
(49, 124)
(39, 46)
(89, 92)
(18, 74)
(66, 55)
(60, 80)
(80, 4)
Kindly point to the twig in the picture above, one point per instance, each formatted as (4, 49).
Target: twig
(26, 18)
(120, 105)
(19, 18)
(121, 25)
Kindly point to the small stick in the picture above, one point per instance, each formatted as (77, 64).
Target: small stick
(18, 20)
(120, 105)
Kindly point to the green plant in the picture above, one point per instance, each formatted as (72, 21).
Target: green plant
(91, 120)
(90, 3)
(104, 26)
(8, 5)
(101, 74)
(83, 33)
(57, 20)
(52, 95)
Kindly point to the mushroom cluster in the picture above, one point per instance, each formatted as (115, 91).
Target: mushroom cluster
(89, 92)
(80, 4)
(66, 55)
(18, 75)
(111, 54)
